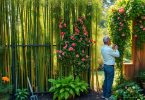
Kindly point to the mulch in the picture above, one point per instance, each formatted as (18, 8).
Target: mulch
(92, 95)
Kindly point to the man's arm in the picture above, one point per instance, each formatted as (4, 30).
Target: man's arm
(114, 53)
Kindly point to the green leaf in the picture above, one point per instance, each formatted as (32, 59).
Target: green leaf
(51, 80)
(66, 95)
(52, 89)
(72, 92)
(62, 90)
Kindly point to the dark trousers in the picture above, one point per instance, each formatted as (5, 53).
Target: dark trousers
(108, 80)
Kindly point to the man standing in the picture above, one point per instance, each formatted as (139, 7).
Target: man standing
(109, 53)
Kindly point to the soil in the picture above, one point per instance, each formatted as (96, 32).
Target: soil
(92, 95)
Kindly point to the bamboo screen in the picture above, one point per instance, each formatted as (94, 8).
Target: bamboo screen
(29, 37)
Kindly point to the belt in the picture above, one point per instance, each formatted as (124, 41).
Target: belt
(109, 65)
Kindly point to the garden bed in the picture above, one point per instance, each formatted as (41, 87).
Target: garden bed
(92, 95)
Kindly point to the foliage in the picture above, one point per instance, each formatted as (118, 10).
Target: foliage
(67, 87)
(136, 12)
(120, 25)
(5, 86)
(141, 76)
(74, 47)
(128, 90)
(22, 94)
(119, 30)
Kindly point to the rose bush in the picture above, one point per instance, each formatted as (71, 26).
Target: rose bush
(73, 51)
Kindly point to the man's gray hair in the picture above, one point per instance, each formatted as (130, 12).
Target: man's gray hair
(106, 39)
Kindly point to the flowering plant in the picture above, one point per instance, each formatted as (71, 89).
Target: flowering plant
(5, 86)
(128, 91)
(120, 25)
(73, 50)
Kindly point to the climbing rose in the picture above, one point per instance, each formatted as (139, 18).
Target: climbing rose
(141, 26)
(71, 49)
(83, 59)
(121, 10)
(77, 55)
(73, 44)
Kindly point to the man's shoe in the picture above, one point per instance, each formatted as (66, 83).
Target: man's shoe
(111, 98)
(102, 97)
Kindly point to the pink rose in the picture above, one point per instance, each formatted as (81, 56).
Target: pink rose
(72, 37)
(120, 29)
(62, 34)
(121, 10)
(77, 30)
(60, 26)
(77, 56)
(83, 59)
(144, 29)
(73, 44)
(86, 33)
(64, 24)
(141, 26)
(83, 51)
(143, 17)
(63, 53)
(60, 51)
(71, 49)
(118, 18)
(65, 46)
(121, 24)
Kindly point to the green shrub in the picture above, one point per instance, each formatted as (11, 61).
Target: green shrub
(22, 94)
(67, 87)
(128, 90)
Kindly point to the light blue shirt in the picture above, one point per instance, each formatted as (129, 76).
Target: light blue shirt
(109, 55)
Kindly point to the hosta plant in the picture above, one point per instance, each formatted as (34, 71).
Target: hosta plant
(22, 94)
(66, 88)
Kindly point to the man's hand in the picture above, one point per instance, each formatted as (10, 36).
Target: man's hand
(114, 47)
